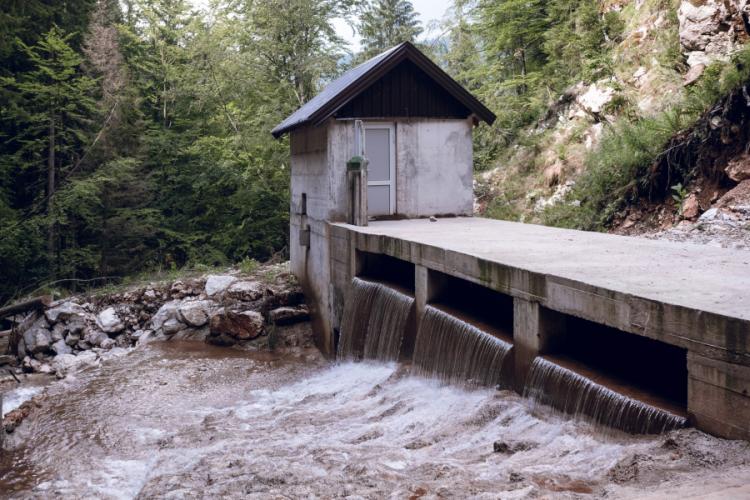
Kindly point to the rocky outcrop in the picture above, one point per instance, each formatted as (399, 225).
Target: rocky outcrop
(712, 29)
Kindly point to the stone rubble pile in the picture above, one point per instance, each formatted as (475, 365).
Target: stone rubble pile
(223, 310)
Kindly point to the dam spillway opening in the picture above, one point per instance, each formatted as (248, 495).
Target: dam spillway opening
(623, 381)
(466, 334)
(379, 318)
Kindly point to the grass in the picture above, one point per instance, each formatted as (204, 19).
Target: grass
(617, 168)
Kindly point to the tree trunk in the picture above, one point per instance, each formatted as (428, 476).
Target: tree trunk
(51, 191)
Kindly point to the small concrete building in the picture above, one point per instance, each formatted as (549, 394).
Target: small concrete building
(413, 125)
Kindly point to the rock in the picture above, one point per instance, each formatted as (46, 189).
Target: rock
(690, 207)
(693, 74)
(512, 447)
(246, 325)
(63, 311)
(246, 291)
(76, 324)
(289, 315)
(739, 169)
(737, 197)
(95, 337)
(36, 366)
(37, 339)
(709, 215)
(108, 321)
(58, 332)
(195, 314)
(83, 345)
(60, 347)
(172, 326)
(64, 362)
(218, 284)
(711, 29)
(145, 338)
(72, 338)
(596, 98)
(107, 343)
(166, 312)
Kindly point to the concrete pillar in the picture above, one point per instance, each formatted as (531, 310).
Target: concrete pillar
(719, 397)
(535, 331)
(421, 291)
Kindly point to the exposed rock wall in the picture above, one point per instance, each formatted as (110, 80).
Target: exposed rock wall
(712, 29)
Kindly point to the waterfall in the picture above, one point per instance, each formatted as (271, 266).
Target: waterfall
(374, 321)
(566, 390)
(456, 351)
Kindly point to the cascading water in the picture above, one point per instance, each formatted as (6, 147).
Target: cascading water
(374, 321)
(453, 350)
(559, 387)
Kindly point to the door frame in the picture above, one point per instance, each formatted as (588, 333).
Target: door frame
(391, 127)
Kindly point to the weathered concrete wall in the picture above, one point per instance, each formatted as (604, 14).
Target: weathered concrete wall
(311, 264)
(434, 168)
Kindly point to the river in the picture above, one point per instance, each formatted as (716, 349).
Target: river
(187, 420)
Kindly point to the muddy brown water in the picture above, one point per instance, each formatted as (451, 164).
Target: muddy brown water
(186, 420)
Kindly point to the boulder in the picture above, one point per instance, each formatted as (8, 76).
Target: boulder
(195, 313)
(245, 325)
(690, 207)
(95, 337)
(58, 332)
(63, 311)
(37, 339)
(72, 338)
(64, 362)
(596, 98)
(289, 315)
(76, 324)
(166, 312)
(108, 321)
(217, 284)
(60, 347)
(246, 291)
(172, 326)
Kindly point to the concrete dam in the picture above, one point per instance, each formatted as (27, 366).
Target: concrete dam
(641, 335)
(655, 348)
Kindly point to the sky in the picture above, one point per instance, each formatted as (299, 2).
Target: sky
(429, 10)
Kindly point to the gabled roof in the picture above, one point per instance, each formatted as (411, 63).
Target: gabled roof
(348, 86)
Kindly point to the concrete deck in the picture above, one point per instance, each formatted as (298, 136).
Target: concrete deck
(691, 296)
(697, 277)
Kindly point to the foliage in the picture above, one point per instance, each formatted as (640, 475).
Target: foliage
(620, 162)
(163, 156)
(386, 23)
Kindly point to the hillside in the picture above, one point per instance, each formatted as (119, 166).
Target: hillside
(646, 147)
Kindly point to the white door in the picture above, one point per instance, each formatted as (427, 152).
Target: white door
(380, 150)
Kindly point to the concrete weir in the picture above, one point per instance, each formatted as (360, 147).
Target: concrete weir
(672, 320)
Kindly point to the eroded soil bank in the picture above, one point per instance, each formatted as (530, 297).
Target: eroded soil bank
(186, 419)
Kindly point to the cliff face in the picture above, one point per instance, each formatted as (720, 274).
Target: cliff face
(666, 49)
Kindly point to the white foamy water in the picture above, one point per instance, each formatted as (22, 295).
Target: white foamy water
(171, 420)
(16, 397)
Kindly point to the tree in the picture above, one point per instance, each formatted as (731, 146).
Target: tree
(385, 23)
(54, 116)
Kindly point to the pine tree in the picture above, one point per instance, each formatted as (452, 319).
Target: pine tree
(54, 117)
(385, 23)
